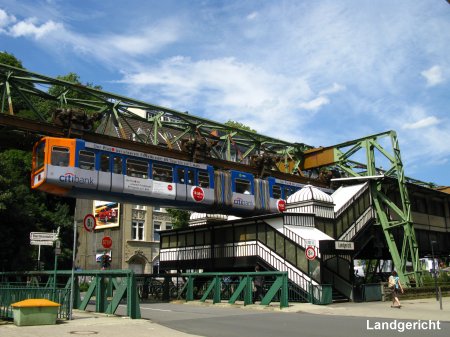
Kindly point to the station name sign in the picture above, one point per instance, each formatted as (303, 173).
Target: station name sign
(344, 245)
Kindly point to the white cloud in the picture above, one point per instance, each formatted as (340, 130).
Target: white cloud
(433, 76)
(5, 19)
(252, 16)
(227, 89)
(335, 88)
(315, 104)
(29, 28)
(423, 123)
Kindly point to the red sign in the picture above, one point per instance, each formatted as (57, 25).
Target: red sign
(310, 253)
(197, 193)
(281, 205)
(107, 242)
(170, 187)
(89, 222)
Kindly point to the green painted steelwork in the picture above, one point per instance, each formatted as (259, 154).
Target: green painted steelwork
(108, 287)
(389, 215)
(215, 280)
(167, 127)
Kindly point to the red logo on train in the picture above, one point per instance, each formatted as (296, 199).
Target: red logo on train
(281, 205)
(197, 193)
(169, 187)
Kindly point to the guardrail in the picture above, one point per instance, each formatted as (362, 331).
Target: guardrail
(214, 284)
(107, 289)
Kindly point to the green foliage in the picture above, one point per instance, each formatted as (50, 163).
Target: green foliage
(10, 60)
(180, 217)
(240, 126)
(23, 210)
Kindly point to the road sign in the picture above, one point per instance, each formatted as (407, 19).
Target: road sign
(43, 236)
(89, 222)
(41, 243)
(310, 253)
(107, 242)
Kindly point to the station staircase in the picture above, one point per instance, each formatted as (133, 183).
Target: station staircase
(282, 248)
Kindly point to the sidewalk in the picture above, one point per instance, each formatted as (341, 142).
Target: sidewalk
(92, 324)
(102, 325)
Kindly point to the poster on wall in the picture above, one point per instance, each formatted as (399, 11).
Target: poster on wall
(106, 213)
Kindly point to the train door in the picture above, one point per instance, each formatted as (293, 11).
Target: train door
(104, 172)
(181, 181)
(242, 185)
(117, 174)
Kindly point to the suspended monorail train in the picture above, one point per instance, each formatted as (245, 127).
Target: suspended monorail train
(81, 169)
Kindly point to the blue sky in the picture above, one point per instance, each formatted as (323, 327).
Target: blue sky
(317, 72)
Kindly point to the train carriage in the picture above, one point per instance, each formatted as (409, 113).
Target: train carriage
(76, 168)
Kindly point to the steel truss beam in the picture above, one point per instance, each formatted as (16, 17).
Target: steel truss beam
(124, 117)
(394, 216)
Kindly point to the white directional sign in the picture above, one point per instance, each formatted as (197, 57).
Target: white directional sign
(344, 245)
(41, 243)
(42, 236)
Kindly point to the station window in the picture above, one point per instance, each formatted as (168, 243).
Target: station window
(203, 179)
(86, 160)
(276, 192)
(180, 174)
(137, 168)
(243, 186)
(104, 163)
(162, 173)
(117, 165)
(60, 156)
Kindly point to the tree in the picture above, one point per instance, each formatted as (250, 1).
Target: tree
(23, 210)
(10, 59)
(240, 126)
(180, 217)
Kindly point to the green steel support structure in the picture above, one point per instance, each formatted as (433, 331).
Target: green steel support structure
(390, 216)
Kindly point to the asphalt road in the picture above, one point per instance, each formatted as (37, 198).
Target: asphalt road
(213, 321)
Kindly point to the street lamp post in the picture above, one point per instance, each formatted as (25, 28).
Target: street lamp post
(434, 270)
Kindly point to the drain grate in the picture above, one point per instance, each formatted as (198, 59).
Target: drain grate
(83, 332)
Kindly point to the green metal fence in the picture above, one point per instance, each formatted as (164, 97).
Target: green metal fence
(107, 289)
(10, 294)
(212, 286)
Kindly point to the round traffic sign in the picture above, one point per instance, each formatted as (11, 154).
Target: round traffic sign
(106, 242)
(89, 222)
(310, 253)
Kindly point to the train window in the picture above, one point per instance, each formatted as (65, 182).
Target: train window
(86, 160)
(190, 177)
(243, 186)
(40, 156)
(117, 165)
(137, 168)
(203, 179)
(162, 173)
(60, 156)
(276, 192)
(180, 174)
(104, 163)
(288, 191)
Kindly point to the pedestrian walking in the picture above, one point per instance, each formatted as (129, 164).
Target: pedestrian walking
(395, 285)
